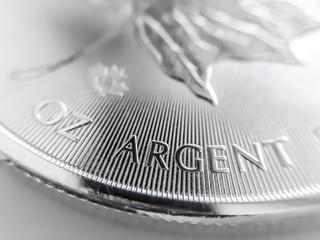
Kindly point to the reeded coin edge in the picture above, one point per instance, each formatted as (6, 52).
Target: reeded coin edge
(96, 193)
(220, 222)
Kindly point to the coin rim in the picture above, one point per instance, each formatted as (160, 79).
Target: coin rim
(31, 159)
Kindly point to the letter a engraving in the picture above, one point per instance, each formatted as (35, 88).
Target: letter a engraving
(130, 146)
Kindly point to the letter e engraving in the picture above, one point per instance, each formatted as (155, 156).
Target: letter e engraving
(213, 158)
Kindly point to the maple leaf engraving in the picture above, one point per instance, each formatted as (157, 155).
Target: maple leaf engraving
(188, 37)
(108, 80)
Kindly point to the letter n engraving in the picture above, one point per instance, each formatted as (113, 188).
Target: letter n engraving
(240, 153)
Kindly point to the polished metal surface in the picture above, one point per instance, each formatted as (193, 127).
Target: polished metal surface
(97, 113)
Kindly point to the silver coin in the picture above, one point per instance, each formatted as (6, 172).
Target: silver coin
(235, 140)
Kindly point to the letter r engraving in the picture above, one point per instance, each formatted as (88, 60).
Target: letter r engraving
(158, 155)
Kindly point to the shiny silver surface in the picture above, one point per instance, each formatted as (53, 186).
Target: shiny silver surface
(111, 125)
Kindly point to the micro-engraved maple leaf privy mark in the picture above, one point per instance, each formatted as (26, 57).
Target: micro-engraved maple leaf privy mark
(108, 80)
(187, 41)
